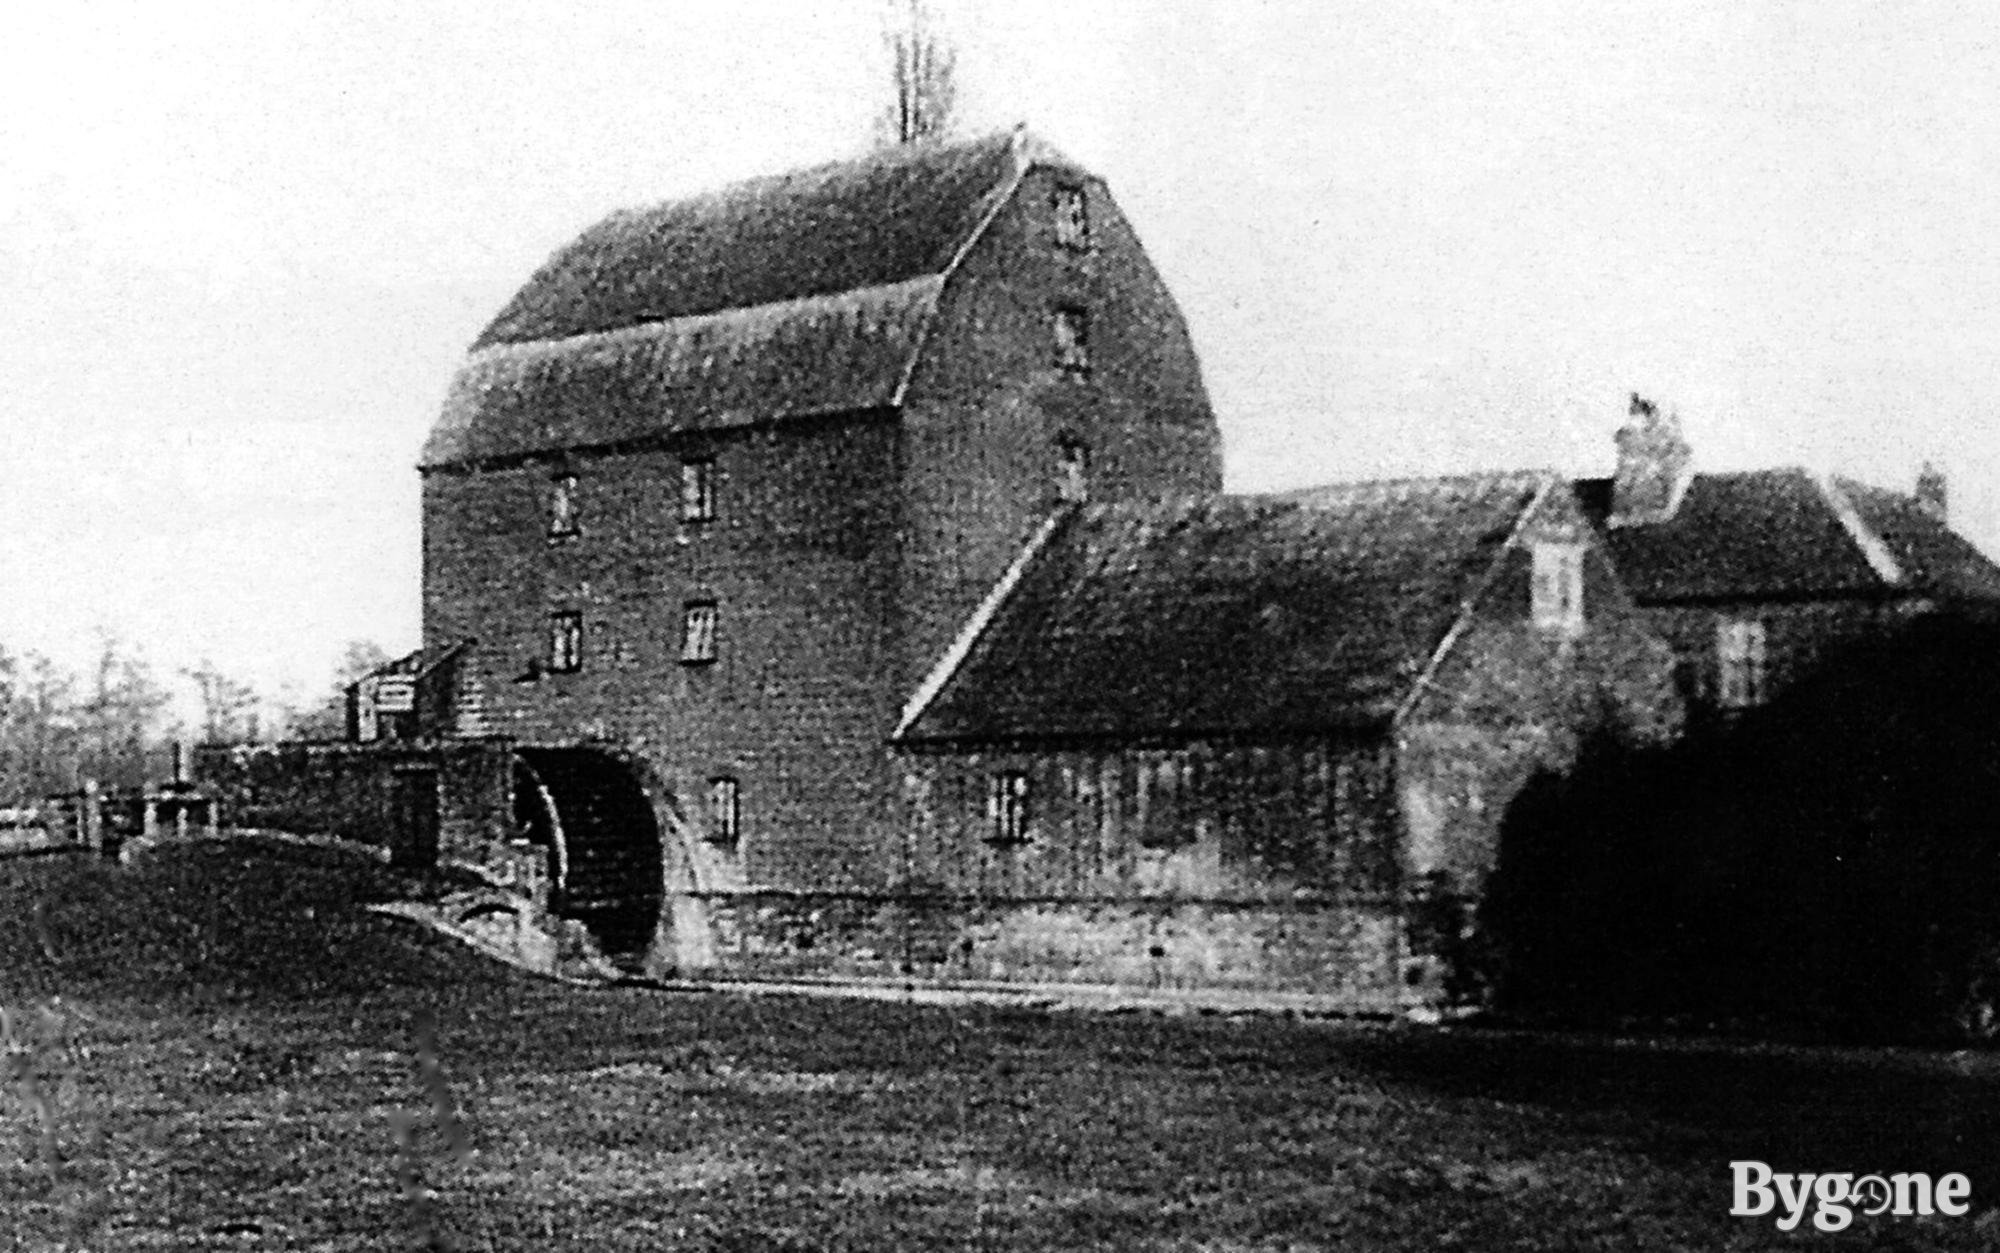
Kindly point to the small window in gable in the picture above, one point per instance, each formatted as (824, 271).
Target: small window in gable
(698, 490)
(1558, 587)
(1072, 471)
(1072, 212)
(565, 642)
(1072, 332)
(1007, 809)
(562, 507)
(725, 812)
(1741, 662)
(698, 633)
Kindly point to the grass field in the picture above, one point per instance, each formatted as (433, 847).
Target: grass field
(218, 1050)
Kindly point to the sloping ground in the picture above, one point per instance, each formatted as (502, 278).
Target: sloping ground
(223, 1055)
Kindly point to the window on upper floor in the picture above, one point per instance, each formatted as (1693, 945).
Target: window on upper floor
(698, 489)
(1072, 214)
(1742, 670)
(1072, 336)
(562, 506)
(1007, 808)
(725, 811)
(1072, 471)
(565, 642)
(698, 632)
(1557, 591)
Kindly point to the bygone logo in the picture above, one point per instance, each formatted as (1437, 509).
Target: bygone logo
(1836, 1197)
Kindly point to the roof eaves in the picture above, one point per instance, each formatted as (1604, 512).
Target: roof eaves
(1873, 548)
(1550, 482)
(1019, 145)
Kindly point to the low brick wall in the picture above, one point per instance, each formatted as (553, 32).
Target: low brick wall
(1350, 953)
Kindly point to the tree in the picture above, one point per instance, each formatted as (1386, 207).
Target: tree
(118, 722)
(923, 68)
(228, 705)
(328, 720)
(38, 730)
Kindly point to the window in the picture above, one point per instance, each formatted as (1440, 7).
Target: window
(725, 814)
(1072, 331)
(1740, 657)
(698, 490)
(1558, 587)
(1007, 809)
(1072, 213)
(698, 633)
(565, 642)
(1072, 472)
(562, 507)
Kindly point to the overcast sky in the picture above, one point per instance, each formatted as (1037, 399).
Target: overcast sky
(243, 246)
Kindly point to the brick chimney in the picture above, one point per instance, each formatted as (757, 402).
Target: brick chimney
(1654, 462)
(1933, 490)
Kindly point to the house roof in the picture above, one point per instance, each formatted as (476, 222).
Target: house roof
(803, 293)
(1935, 559)
(1785, 534)
(1230, 615)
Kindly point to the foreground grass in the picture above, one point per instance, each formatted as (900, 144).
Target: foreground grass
(224, 1045)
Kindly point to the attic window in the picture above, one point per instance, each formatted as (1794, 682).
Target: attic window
(565, 642)
(725, 813)
(1558, 587)
(1007, 809)
(1072, 472)
(562, 507)
(698, 633)
(698, 490)
(1072, 332)
(1741, 670)
(1072, 214)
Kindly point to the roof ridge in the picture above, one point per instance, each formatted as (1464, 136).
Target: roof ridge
(1464, 476)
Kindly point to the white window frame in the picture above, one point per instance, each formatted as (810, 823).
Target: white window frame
(1557, 587)
(563, 522)
(700, 620)
(1070, 206)
(725, 809)
(1742, 662)
(565, 641)
(698, 489)
(1070, 325)
(1008, 797)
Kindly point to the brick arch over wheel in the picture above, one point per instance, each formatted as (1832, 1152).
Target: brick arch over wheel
(616, 839)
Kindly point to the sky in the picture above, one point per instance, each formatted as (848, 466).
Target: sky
(243, 247)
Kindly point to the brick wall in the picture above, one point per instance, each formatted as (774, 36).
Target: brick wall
(799, 562)
(988, 407)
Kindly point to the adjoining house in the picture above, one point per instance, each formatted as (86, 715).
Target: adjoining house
(1265, 742)
(1757, 576)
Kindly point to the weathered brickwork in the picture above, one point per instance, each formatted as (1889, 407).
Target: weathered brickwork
(799, 562)
(989, 410)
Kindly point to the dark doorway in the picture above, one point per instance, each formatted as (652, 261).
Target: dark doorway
(413, 817)
(604, 841)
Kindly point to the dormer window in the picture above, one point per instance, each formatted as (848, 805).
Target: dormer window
(1741, 669)
(562, 507)
(1072, 335)
(1557, 591)
(698, 490)
(1072, 472)
(1072, 214)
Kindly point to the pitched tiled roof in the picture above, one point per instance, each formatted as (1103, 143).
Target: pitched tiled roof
(1787, 534)
(1758, 533)
(1936, 560)
(1231, 615)
(803, 293)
